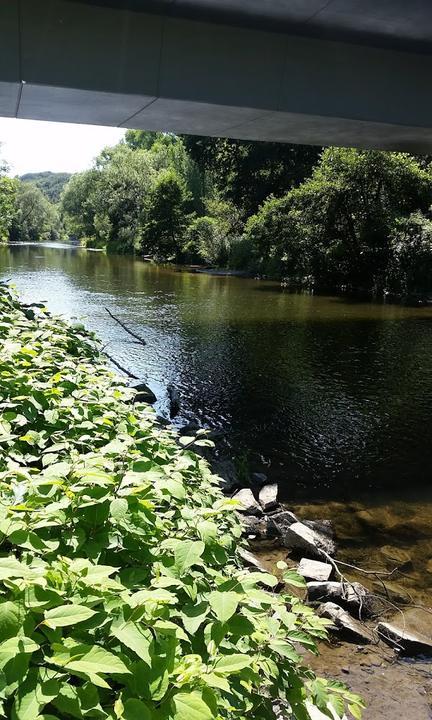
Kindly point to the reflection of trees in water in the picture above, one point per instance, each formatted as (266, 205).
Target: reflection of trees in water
(338, 393)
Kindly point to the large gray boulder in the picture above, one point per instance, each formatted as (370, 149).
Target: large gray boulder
(247, 502)
(314, 570)
(279, 523)
(268, 497)
(298, 536)
(349, 628)
(405, 640)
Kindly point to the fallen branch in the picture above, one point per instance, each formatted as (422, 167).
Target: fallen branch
(125, 327)
(120, 367)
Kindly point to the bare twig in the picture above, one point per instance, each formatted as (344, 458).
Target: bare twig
(134, 335)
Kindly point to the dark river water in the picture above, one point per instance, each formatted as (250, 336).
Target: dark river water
(331, 397)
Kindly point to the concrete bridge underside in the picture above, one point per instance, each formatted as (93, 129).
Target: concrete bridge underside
(344, 72)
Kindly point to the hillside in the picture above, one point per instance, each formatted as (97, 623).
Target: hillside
(51, 183)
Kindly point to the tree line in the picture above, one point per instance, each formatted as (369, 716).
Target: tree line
(327, 218)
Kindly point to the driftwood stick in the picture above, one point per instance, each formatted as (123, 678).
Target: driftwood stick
(134, 335)
(120, 367)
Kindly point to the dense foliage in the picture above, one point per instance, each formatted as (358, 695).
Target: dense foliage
(246, 173)
(8, 193)
(122, 593)
(176, 186)
(328, 219)
(34, 218)
(337, 227)
(51, 183)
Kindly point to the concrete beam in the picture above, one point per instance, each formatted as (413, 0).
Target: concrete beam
(86, 62)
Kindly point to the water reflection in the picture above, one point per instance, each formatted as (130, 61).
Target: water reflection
(336, 396)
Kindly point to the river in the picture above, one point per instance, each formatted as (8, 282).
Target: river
(331, 397)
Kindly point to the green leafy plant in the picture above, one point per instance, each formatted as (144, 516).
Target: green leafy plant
(122, 595)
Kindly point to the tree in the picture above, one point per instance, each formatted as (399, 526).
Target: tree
(107, 205)
(410, 268)
(248, 172)
(35, 217)
(166, 216)
(77, 203)
(337, 225)
(8, 191)
(145, 139)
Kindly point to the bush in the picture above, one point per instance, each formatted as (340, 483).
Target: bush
(122, 592)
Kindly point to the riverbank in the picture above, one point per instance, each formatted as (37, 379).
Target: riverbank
(124, 588)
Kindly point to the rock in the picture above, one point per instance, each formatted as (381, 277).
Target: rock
(257, 481)
(298, 536)
(227, 473)
(324, 527)
(143, 393)
(191, 428)
(314, 570)
(174, 400)
(409, 642)
(268, 497)
(429, 566)
(351, 629)
(397, 556)
(254, 526)
(278, 523)
(393, 592)
(163, 421)
(351, 596)
(251, 560)
(248, 504)
(325, 591)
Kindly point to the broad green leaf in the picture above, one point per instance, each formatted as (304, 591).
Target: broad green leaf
(67, 615)
(9, 649)
(190, 706)
(224, 604)
(228, 664)
(97, 660)
(11, 619)
(10, 567)
(193, 615)
(186, 554)
(135, 638)
(134, 709)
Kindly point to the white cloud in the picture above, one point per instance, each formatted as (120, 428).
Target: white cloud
(33, 145)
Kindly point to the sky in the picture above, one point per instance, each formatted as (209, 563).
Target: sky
(34, 146)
